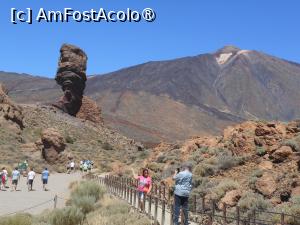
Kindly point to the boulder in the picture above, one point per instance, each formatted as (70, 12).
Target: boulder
(89, 111)
(282, 154)
(231, 198)
(265, 165)
(295, 191)
(53, 145)
(266, 184)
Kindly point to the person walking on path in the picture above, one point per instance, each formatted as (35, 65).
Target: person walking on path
(15, 177)
(30, 178)
(72, 166)
(45, 176)
(183, 187)
(4, 177)
(144, 186)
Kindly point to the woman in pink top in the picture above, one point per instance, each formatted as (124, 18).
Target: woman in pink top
(144, 186)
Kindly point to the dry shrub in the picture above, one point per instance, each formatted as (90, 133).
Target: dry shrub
(18, 219)
(115, 212)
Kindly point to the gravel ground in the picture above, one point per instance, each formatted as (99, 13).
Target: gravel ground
(22, 199)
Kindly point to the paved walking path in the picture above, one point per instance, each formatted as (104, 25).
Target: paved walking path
(15, 201)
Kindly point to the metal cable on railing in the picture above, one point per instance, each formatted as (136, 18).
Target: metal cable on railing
(26, 209)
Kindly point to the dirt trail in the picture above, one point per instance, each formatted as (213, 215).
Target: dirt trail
(58, 185)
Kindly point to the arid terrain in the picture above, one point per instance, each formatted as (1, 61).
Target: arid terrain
(229, 129)
(176, 99)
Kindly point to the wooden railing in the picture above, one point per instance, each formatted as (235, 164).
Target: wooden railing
(158, 205)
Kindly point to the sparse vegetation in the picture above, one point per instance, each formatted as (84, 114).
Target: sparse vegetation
(18, 219)
(220, 190)
(107, 146)
(293, 143)
(66, 216)
(115, 212)
(260, 151)
(251, 201)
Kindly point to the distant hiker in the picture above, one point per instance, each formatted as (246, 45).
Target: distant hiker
(183, 187)
(89, 166)
(81, 166)
(72, 166)
(144, 186)
(85, 167)
(15, 177)
(1, 181)
(68, 167)
(30, 179)
(45, 176)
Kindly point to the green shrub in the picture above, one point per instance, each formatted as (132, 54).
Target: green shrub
(227, 161)
(155, 167)
(253, 177)
(290, 209)
(251, 201)
(67, 216)
(203, 185)
(260, 151)
(293, 143)
(220, 190)
(85, 203)
(161, 159)
(204, 170)
(70, 139)
(107, 146)
(88, 188)
(18, 219)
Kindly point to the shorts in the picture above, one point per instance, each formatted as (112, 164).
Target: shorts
(141, 195)
(30, 182)
(72, 168)
(45, 181)
(14, 182)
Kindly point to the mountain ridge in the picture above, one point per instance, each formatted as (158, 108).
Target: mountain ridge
(188, 96)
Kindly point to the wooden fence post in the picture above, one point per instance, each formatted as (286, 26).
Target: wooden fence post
(171, 214)
(55, 201)
(224, 212)
(149, 206)
(155, 209)
(203, 204)
(195, 203)
(282, 219)
(163, 213)
(134, 197)
(237, 215)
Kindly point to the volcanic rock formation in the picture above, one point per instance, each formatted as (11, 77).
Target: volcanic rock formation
(53, 146)
(71, 76)
(10, 112)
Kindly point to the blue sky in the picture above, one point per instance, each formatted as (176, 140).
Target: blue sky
(182, 28)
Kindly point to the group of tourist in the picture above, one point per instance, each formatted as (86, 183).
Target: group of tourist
(84, 166)
(16, 176)
(183, 187)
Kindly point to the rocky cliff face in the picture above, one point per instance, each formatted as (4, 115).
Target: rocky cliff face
(9, 111)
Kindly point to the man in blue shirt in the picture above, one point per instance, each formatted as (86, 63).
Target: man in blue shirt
(183, 187)
(15, 177)
(45, 175)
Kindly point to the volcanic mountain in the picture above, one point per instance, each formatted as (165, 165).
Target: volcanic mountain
(175, 99)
